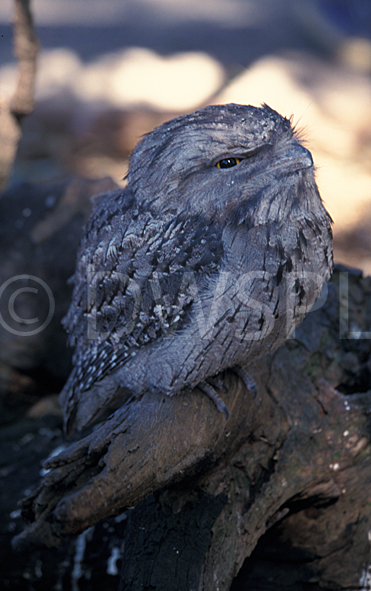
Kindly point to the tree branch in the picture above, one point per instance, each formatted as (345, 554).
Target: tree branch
(22, 102)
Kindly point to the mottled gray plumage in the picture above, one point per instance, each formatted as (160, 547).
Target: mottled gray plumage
(195, 266)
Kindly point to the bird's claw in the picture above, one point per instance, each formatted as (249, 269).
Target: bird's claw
(246, 378)
(212, 394)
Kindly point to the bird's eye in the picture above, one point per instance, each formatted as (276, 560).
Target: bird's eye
(228, 162)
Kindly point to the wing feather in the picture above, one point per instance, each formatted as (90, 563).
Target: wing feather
(130, 287)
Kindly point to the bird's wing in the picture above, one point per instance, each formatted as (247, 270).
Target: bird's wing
(133, 284)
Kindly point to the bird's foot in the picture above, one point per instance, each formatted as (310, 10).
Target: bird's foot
(214, 396)
(246, 378)
(217, 383)
(214, 383)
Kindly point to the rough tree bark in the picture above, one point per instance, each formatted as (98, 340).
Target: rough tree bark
(22, 102)
(294, 460)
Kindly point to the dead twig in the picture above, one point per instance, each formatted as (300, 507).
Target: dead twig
(22, 102)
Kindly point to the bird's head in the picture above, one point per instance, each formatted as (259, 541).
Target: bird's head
(218, 160)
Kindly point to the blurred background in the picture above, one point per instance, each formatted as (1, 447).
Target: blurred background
(110, 71)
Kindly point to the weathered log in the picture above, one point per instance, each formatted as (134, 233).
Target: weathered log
(294, 460)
